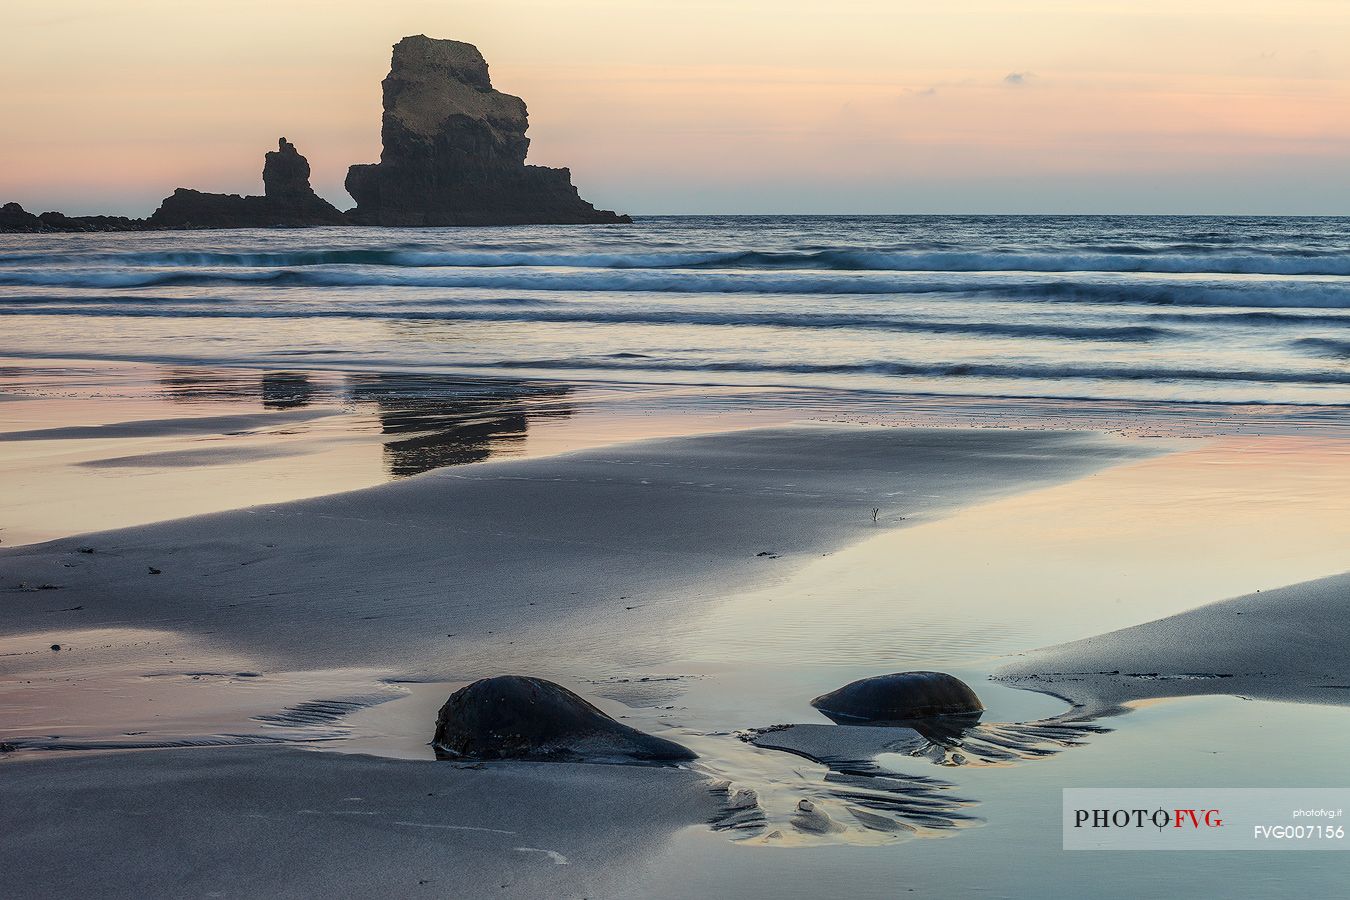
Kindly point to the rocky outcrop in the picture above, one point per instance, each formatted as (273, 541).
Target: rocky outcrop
(288, 200)
(454, 150)
(519, 717)
(14, 218)
(286, 175)
(454, 154)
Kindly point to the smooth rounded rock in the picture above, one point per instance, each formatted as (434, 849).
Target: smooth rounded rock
(899, 697)
(519, 717)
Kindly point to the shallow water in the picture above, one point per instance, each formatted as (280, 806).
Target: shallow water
(1202, 742)
(92, 445)
(1164, 308)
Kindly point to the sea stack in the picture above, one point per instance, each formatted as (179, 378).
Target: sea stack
(288, 200)
(454, 150)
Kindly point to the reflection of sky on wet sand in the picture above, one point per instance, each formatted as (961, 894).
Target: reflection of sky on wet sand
(1126, 545)
(112, 688)
(210, 439)
(1204, 742)
(203, 440)
(1129, 544)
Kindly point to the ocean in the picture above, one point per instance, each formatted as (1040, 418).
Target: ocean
(1190, 309)
(209, 444)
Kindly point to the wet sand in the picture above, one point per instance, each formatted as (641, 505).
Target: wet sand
(465, 572)
(273, 822)
(692, 586)
(542, 565)
(91, 446)
(1285, 644)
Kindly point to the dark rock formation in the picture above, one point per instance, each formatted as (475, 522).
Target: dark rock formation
(454, 154)
(518, 717)
(14, 218)
(288, 200)
(55, 221)
(899, 697)
(286, 174)
(454, 150)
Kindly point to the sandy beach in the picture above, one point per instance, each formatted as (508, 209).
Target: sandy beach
(430, 565)
(1284, 644)
(241, 687)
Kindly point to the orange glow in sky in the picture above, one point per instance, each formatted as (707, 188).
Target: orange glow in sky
(698, 106)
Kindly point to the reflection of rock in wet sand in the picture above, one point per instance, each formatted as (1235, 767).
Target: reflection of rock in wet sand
(430, 421)
(191, 385)
(451, 421)
(277, 390)
(286, 390)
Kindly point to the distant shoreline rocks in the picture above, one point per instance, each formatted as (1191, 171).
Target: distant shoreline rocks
(14, 219)
(453, 154)
(287, 200)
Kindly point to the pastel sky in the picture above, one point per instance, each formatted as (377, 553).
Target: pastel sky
(686, 106)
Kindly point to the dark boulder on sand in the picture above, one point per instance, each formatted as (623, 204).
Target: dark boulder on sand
(519, 717)
(454, 150)
(899, 697)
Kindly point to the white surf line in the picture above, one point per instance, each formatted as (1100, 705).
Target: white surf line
(554, 855)
(452, 827)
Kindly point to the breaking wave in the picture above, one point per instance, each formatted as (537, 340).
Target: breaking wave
(628, 317)
(1125, 259)
(1331, 294)
(946, 370)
